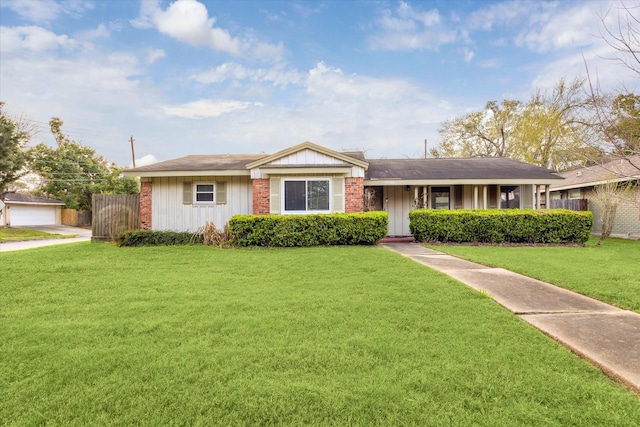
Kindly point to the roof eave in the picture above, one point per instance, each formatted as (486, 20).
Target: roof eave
(208, 172)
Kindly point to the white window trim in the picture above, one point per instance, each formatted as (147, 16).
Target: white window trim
(306, 179)
(195, 193)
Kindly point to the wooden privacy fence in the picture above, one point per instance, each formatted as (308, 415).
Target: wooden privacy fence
(114, 214)
(572, 204)
(76, 218)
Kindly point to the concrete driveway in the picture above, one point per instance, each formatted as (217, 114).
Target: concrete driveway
(83, 235)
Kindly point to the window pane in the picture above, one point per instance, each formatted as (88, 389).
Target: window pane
(510, 197)
(294, 196)
(318, 195)
(204, 197)
(204, 192)
(204, 188)
(440, 197)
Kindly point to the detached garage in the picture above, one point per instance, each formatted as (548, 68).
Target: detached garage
(25, 209)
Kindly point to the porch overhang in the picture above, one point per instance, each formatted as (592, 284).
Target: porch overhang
(447, 182)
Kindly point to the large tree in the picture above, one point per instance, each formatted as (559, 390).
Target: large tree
(617, 112)
(554, 129)
(72, 172)
(486, 133)
(547, 131)
(13, 139)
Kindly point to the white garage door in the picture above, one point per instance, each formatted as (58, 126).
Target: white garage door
(32, 215)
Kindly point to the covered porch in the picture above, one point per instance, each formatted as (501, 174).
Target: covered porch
(398, 199)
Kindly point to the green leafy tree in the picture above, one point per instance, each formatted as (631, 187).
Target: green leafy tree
(13, 139)
(486, 133)
(548, 131)
(625, 111)
(554, 129)
(72, 172)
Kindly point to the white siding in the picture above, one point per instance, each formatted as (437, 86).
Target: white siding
(307, 157)
(169, 213)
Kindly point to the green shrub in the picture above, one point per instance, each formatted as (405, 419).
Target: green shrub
(501, 226)
(309, 230)
(158, 238)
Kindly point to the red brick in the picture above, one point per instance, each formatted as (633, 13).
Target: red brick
(146, 190)
(261, 196)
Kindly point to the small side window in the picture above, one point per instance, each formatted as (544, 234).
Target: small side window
(205, 193)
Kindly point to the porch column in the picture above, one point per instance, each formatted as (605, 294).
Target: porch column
(538, 204)
(475, 197)
(425, 197)
(485, 197)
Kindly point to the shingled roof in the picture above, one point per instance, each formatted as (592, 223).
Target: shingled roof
(24, 198)
(617, 170)
(203, 162)
(456, 169)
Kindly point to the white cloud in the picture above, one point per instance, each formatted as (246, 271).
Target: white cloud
(32, 38)
(43, 12)
(277, 76)
(100, 31)
(467, 54)
(407, 29)
(146, 160)
(207, 108)
(154, 54)
(567, 29)
(188, 21)
(506, 14)
(33, 10)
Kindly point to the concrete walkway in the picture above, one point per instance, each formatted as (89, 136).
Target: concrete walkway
(603, 334)
(83, 235)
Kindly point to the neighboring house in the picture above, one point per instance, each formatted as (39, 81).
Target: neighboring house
(579, 184)
(184, 193)
(24, 209)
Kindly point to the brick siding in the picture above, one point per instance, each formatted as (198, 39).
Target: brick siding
(261, 196)
(354, 195)
(146, 189)
(627, 221)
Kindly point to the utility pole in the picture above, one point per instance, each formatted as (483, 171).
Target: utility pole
(425, 148)
(133, 154)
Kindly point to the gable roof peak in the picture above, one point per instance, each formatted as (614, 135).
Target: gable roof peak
(308, 145)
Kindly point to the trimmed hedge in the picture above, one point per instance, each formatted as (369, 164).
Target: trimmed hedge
(309, 230)
(158, 238)
(501, 226)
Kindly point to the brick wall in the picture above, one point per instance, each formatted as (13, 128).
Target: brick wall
(627, 222)
(354, 195)
(261, 196)
(145, 205)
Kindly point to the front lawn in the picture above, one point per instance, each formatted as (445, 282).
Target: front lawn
(94, 334)
(609, 273)
(9, 234)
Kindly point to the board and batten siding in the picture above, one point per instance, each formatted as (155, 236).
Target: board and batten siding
(307, 157)
(170, 213)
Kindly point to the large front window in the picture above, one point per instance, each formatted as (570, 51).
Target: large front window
(304, 195)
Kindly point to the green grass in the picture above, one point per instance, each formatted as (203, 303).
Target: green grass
(94, 334)
(8, 234)
(609, 273)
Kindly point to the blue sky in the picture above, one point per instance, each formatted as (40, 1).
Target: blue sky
(198, 77)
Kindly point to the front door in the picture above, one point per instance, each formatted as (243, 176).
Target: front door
(398, 202)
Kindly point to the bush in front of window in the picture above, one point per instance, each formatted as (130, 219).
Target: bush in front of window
(158, 238)
(501, 226)
(309, 230)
